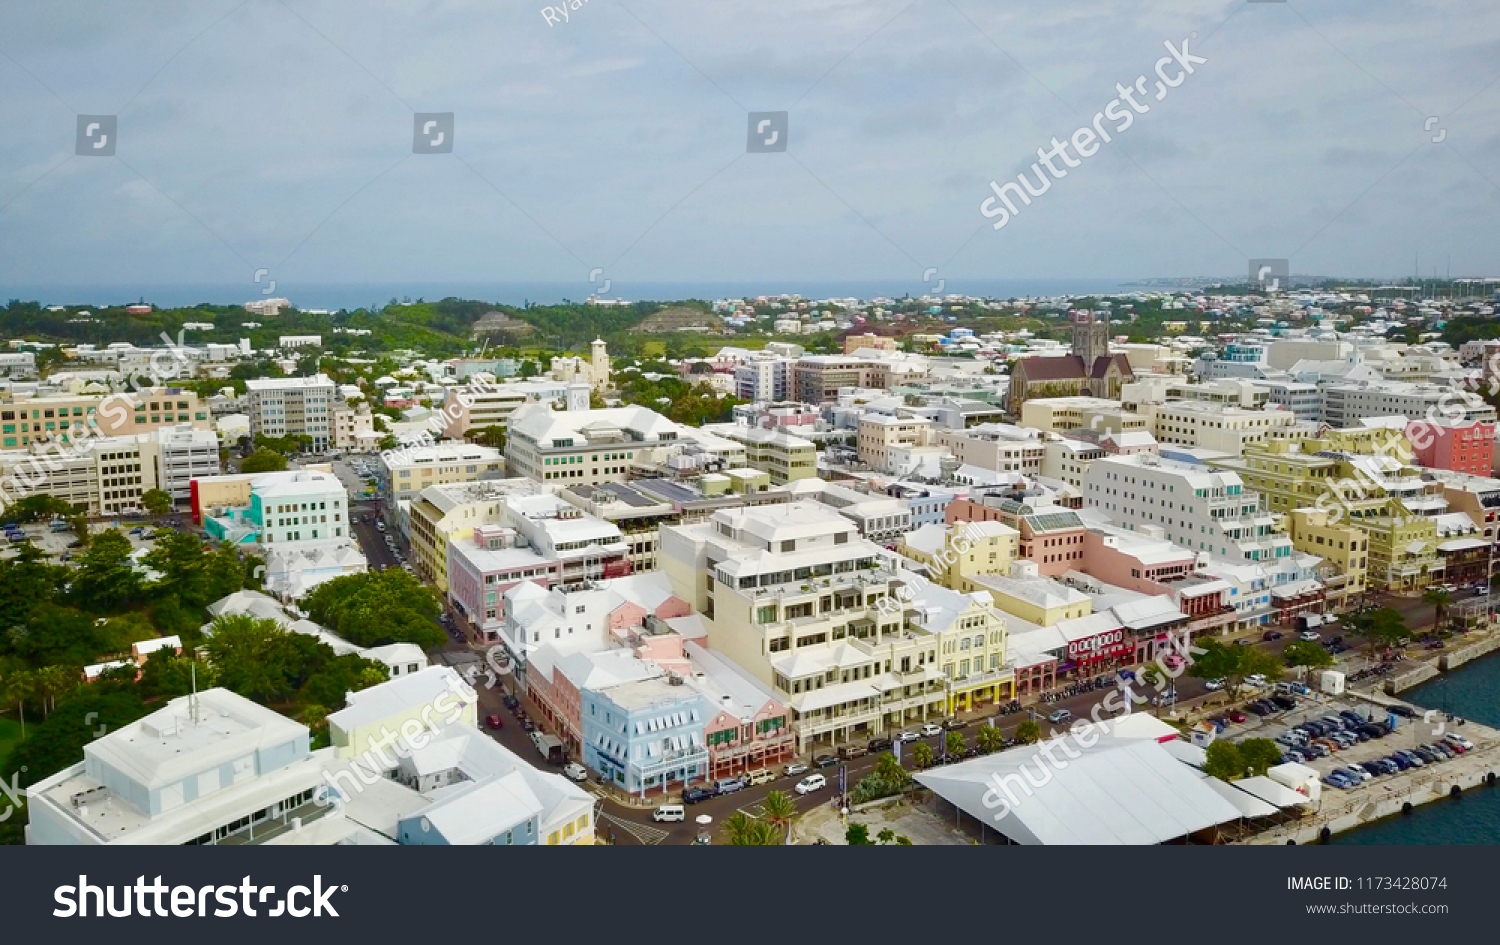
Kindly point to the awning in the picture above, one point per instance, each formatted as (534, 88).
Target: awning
(1272, 792)
(1462, 544)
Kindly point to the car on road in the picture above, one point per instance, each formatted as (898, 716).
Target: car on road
(1214, 685)
(825, 761)
(510, 702)
(1309, 636)
(928, 730)
(493, 721)
(795, 768)
(1256, 680)
(811, 783)
(879, 744)
(1243, 641)
(669, 813)
(907, 736)
(1270, 635)
(379, 525)
(693, 795)
(954, 723)
(1172, 660)
(1058, 716)
(575, 771)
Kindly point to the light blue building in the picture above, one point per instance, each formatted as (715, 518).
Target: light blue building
(645, 735)
(928, 505)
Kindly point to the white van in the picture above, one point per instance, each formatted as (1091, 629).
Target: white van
(669, 814)
(763, 776)
(813, 782)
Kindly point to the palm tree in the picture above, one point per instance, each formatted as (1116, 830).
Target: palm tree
(780, 810)
(1439, 598)
(19, 685)
(886, 836)
(746, 831)
(922, 755)
(51, 682)
(990, 739)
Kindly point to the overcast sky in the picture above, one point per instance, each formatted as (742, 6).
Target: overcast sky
(279, 135)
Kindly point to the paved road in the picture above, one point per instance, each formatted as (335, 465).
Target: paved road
(371, 539)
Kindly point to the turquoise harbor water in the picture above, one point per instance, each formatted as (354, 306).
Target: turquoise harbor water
(1472, 692)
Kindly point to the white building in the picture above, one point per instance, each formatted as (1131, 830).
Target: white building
(182, 454)
(292, 405)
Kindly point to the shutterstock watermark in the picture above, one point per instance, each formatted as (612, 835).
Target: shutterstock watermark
(386, 749)
(1006, 792)
(1088, 139)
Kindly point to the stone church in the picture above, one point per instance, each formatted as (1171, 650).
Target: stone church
(1090, 370)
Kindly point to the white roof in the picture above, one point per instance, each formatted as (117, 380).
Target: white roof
(1118, 791)
(395, 696)
(1272, 792)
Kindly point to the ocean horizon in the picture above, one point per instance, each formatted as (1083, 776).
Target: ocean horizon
(354, 295)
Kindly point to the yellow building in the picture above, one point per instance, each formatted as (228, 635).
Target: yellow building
(1061, 414)
(25, 419)
(1034, 599)
(1363, 479)
(441, 514)
(785, 458)
(1345, 548)
(957, 553)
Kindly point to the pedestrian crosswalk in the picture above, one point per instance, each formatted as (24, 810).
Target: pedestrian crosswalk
(645, 833)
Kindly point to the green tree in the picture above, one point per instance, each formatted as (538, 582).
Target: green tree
(1302, 653)
(167, 675)
(378, 607)
(1028, 732)
(1224, 761)
(263, 461)
(890, 770)
(990, 739)
(1439, 598)
(1379, 627)
(886, 835)
(858, 835)
(493, 435)
(156, 501)
(109, 704)
(954, 744)
(1259, 754)
(106, 579)
(746, 831)
(779, 810)
(35, 508)
(259, 660)
(921, 755)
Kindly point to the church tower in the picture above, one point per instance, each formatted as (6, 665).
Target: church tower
(1090, 337)
(599, 365)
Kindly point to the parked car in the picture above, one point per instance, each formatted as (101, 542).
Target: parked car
(1214, 685)
(825, 761)
(795, 768)
(1272, 635)
(1309, 636)
(1284, 702)
(1058, 716)
(575, 771)
(907, 736)
(669, 813)
(695, 794)
(1236, 716)
(879, 744)
(729, 785)
(928, 730)
(1172, 660)
(1406, 712)
(811, 783)
(954, 723)
(493, 721)
(852, 751)
(1456, 739)
(1256, 680)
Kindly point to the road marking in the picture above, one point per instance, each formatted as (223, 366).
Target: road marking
(756, 810)
(648, 835)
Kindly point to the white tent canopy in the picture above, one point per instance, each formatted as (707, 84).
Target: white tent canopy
(1116, 791)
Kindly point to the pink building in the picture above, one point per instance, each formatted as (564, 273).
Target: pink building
(482, 568)
(1051, 535)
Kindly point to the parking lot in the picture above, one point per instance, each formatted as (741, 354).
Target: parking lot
(57, 544)
(1331, 743)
